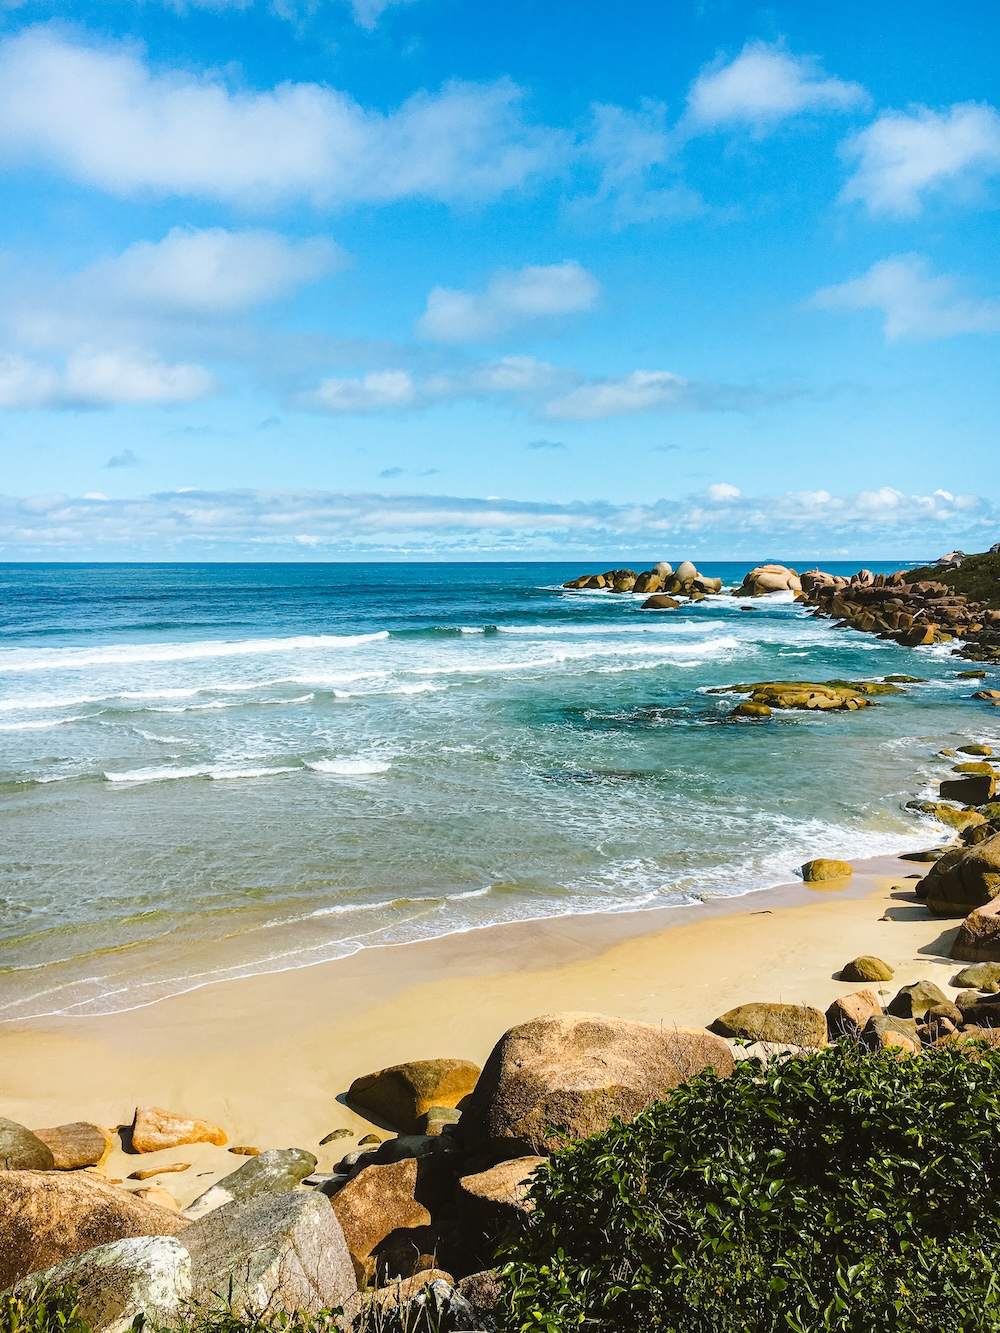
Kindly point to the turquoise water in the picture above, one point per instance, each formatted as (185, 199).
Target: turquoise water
(212, 770)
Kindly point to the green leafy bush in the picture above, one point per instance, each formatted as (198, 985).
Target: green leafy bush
(840, 1191)
(44, 1310)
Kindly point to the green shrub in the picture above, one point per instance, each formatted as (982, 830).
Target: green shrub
(44, 1310)
(839, 1191)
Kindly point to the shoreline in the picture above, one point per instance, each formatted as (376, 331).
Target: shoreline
(269, 1056)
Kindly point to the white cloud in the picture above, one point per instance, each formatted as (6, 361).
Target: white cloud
(366, 12)
(914, 303)
(101, 116)
(208, 271)
(100, 379)
(511, 299)
(260, 524)
(903, 156)
(616, 396)
(764, 85)
(547, 392)
(722, 491)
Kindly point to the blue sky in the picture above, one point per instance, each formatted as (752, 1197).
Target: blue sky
(310, 279)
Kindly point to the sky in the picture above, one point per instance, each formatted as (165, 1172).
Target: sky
(428, 279)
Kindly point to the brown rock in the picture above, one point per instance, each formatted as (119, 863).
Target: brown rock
(963, 879)
(867, 968)
(244, 1150)
(76, 1145)
(849, 1014)
(151, 1171)
(987, 694)
(984, 976)
(577, 1071)
(978, 938)
(490, 1200)
(914, 1000)
(397, 1293)
(970, 791)
(482, 1290)
(154, 1128)
(886, 1031)
(374, 1204)
(660, 602)
(406, 1252)
(823, 868)
(748, 709)
(781, 1024)
(158, 1194)
(20, 1150)
(46, 1217)
(403, 1093)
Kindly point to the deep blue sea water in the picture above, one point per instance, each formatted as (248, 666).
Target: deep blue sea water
(207, 770)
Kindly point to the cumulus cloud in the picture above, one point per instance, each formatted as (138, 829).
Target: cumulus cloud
(207, 271)
(722, 491)
(99, 114)
(905, 155)
(764, 85)
(548, 392)
(101, 379)
(281, 523)
(511, 300)
(914, 303)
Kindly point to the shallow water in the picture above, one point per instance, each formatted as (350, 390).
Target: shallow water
(211, 770)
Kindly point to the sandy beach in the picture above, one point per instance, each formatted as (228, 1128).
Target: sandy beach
(269, 1057)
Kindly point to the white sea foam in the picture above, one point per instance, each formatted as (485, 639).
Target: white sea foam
(123, 654)
(349, 767)
(47, 725)
(217, 772)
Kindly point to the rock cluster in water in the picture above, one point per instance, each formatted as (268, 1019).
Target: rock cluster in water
(662, 581)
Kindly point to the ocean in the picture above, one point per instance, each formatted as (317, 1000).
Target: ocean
(213, 770)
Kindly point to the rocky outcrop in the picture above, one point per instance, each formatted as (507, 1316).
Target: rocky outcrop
(147, 1276)
(377, 1202)
(577, 1071)
(963, 879)
(867, 968)
(46, 1217)
(154, 1128)
(815, 696)
(685, 581)
(780, 1024)
(403, 1094)
(823, 868)
(766, 579)
(281, 1252)
(20, 1150)
(273, 1172)
(76, 1145)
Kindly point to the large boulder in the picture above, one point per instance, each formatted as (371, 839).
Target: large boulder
(76, 1145)
(575, 1072)
(660, 602)
(153, 1128)
(376, 1203)
(867, 968)
(489, 1201)
(964, 879)
(913, 1001)
(20, 1150)
(849, 1014)
(780, 1024)
(273, 1172)
(978, 938)
(823, 868)
(281, 1252)
(983, 976)
(402, 1094)
(116, 1283)
(970, 791)
(46, 1217)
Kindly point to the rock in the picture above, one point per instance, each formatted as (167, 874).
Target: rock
(747, 709)
(769, 578)
(437, 1119)
(984, 976)
(577, 1071)
(660, 602)
(984, 750)
(369, 1139)
(969, 791)
(158, 1194)
(244, 1150)
(152, 1171)
(402, 1290)
(914, 1000)
(886, 1031)
(963, 879)
(822, 869)
(20, 1150)
(987, 694)
(405, 1253)
(483, 1291)
(796, 1024)
(978, 938)
(973, 766)
(377, 1202)
(929, 854)
(76, 1145)
(270, 1253)
(46, 1217)
(849, 1014)
(705, 585)
(685, 572)
(148, 1276)
(329, 1138)
(154, 1128)
(403, 1093)
(489, 1201)
(937, 1014)
(435, 1306)
(649, 581)
(663, 569)
(867, 968)
(822, 696)
(273, 1172)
